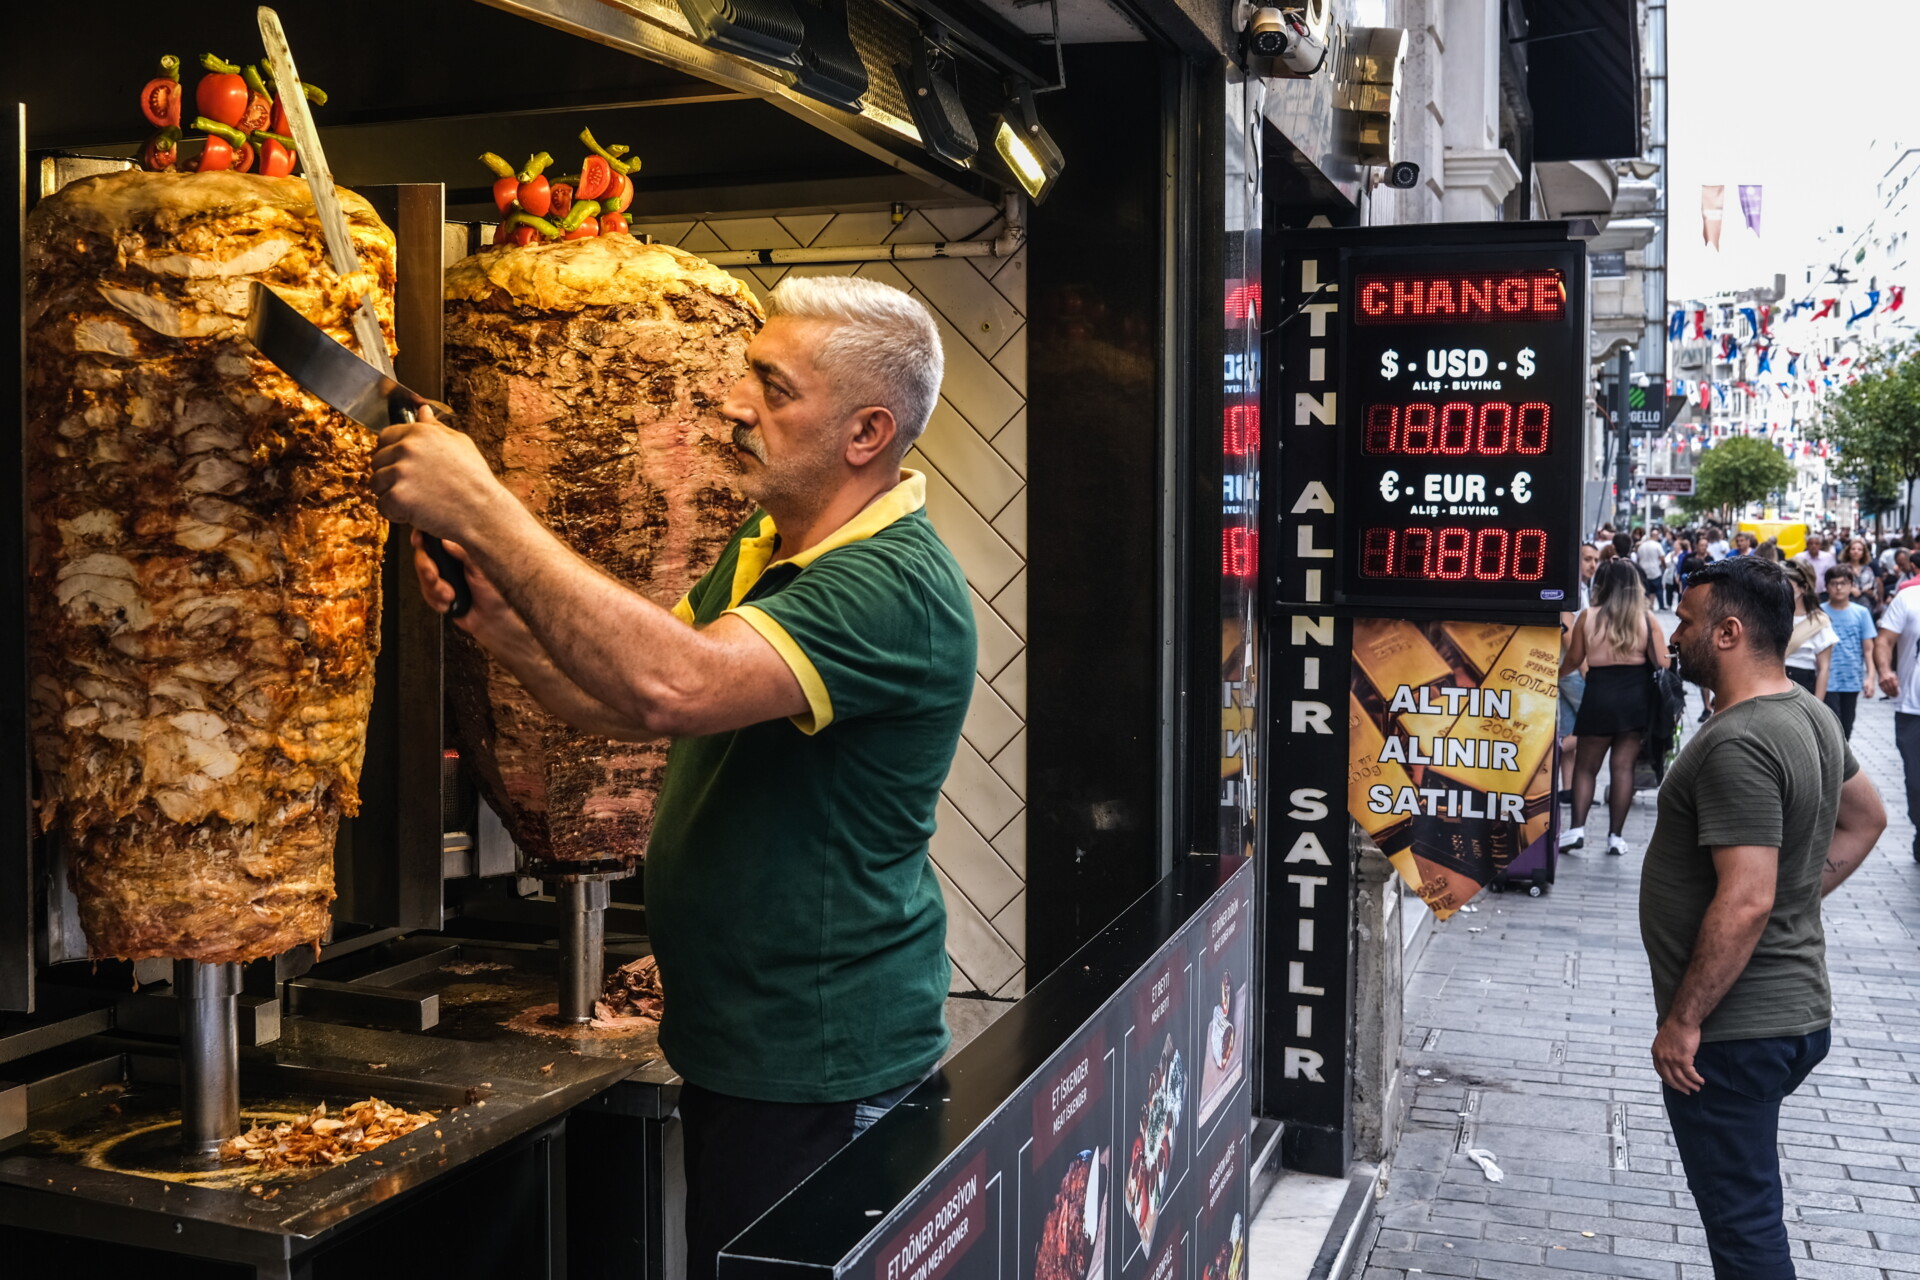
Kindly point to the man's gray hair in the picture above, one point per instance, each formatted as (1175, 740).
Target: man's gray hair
(884, 349)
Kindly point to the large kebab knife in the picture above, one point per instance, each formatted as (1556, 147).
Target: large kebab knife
(312, 357)
(326, 202)
(308, 354)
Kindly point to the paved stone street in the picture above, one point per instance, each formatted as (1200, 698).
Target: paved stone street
(1528, 1025)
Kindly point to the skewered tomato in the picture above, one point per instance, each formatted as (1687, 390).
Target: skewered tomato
(160, 100)
(525, 235)
(618, 195)
(276, 153)
(504, 191)
(161, 151)
(613, 224)
(588, 228)
(216, 154)
(562, 194)
(259, 112)
(536, 195)
(596, 175)
(243, 158)
(222, 93)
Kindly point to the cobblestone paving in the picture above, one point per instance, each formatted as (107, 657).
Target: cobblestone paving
(1528, 1025)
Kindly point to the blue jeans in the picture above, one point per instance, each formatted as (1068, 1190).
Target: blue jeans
(1728, 1136)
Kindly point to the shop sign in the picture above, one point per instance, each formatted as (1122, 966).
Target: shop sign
(1673, 486)
(1648, 407)
(1125, 1157)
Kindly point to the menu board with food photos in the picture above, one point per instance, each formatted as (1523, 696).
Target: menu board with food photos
(1125, 1156)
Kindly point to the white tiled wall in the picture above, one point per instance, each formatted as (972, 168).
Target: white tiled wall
(974, 454)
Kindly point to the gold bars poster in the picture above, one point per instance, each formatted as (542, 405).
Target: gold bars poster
(1451, 729)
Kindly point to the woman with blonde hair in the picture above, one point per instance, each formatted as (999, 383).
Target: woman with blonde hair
(1813, 635)
(1620, 643)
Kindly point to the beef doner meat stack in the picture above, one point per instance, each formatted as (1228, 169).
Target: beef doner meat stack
(591, 373)
(204, 561)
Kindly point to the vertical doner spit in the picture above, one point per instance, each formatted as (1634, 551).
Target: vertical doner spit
(624, 454)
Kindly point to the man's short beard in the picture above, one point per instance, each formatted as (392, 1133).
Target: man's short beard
(1698, 665)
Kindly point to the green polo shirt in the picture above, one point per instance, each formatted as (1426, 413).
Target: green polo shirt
(796, 916)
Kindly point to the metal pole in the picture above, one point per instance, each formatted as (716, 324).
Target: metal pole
(1623, 451)
(209, 1054)
(583, 946)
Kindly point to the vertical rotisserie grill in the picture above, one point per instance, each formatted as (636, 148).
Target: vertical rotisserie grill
(204, 561)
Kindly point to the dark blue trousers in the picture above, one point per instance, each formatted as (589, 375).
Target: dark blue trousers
(1728, 1136)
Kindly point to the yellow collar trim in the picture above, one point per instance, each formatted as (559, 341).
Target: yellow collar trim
(757, 549)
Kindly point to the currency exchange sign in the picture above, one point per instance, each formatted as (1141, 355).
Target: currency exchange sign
(1459, 465)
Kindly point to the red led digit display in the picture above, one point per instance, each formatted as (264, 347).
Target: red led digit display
(1462, 297)
(1421, 553)
(1486, 430)
(1239, 552)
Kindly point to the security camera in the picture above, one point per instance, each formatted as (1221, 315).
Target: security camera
(1403, 175)
(1268, 35)
(1288, 34)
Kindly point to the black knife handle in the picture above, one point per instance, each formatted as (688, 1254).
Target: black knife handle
(451, 570)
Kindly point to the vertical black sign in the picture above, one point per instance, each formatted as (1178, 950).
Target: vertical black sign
(1307, 882)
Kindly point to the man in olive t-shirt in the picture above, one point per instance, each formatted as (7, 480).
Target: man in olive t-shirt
(814, 684)
(1764, 813)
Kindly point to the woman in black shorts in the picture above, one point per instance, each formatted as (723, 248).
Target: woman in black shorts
(1619, 643)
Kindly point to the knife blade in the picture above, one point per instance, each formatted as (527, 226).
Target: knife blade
(313, 167)
(307, 354)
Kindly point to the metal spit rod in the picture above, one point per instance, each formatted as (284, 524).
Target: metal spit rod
(583, 945)
(209, 1054)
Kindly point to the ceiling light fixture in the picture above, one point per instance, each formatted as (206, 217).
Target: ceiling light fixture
(933, 96)
(827, 66)
(1028, 150)
(806, 41)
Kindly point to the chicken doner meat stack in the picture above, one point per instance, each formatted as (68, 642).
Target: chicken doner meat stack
(203, 557)
(591, 374)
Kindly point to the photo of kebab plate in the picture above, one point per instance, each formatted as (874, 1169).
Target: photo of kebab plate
(1150, 1162)
(1230, 1260)
(1073, 1236)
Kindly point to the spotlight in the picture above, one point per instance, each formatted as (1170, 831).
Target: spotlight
(933, 97)
(764, 30)
(1028, 150)
(827, 65)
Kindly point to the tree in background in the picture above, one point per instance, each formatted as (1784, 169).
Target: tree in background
(1873, 424)
(1739, 471)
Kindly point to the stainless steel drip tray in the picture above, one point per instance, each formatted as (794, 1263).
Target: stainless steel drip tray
(104, 1117)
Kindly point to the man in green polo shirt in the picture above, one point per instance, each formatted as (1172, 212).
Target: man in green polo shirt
(814, 683)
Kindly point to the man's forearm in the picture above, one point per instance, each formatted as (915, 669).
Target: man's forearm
(1727, 938)
(1844, 856)
(589, 626)
(558, 695)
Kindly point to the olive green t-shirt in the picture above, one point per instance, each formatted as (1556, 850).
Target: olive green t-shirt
(792, 905)
(1766, 771)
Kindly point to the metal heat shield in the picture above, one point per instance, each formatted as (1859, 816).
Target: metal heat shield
(387, 861)
(16, 755)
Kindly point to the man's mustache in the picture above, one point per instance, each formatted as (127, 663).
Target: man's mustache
(745, 437)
